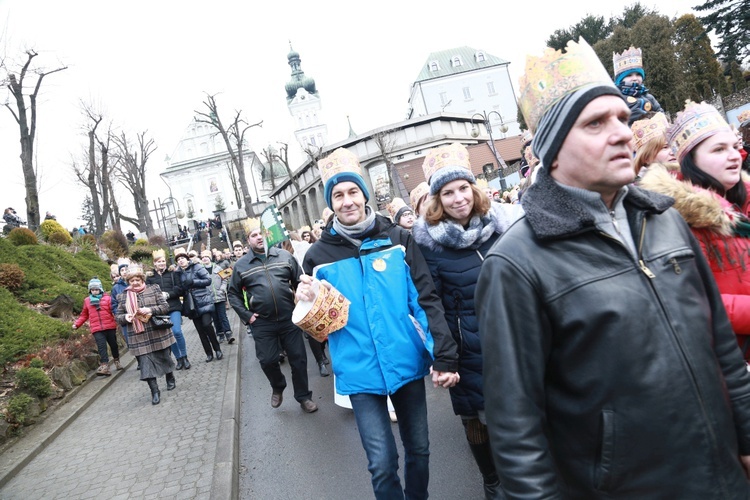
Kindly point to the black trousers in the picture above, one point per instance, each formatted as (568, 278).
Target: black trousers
(103, 338)
(206, 333)
(317, 348)
(271, 337)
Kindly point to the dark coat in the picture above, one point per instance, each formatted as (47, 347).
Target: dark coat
(606, 375)
(169, 282)
(455, 273)
(196, 281)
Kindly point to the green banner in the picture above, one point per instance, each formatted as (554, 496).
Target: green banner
(273, 228)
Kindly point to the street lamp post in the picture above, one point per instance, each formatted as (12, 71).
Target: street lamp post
(485, 116)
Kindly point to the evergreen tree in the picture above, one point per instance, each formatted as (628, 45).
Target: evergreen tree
(700, 76)
(591, 28)
(736, 78)
(631, 15)
(730, 21)
(87, 214)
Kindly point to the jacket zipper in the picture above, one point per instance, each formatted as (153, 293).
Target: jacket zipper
(270, 286)
(644, 268)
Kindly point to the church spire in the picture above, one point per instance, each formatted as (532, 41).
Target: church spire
(352, 133)
(299, 80)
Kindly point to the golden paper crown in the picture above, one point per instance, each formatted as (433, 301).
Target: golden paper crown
(180, 251)
(341, 160)
(744, 116)
(453, 155)
(250, 224)
(304, 228)
(158, 254)
(549, 78)
(646, 130)
(630, 59)
(394, 206)
(327, 212)
(133, 271)
(206, 253)
(482, 184)
(692, 126)
(419, 192)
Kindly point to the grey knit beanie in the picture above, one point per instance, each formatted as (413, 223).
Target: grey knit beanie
(447, 174)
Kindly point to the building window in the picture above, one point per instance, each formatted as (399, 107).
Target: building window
(312, 141)
(434, 66)
(443, 98)
(456, 61)
(467, 93)
(479, 56)
(491, 88)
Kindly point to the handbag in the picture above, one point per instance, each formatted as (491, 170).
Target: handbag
(161, 322)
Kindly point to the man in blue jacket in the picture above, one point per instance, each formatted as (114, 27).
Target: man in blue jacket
(396, 332)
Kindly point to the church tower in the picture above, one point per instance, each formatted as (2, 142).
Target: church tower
(304, 105)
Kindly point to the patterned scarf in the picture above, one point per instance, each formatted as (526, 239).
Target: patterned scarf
(633, 89)
(451, 234)
(131, 306)
(354, 233)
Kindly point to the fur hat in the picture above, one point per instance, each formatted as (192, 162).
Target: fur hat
(180, 252)
(446, 164)
(237, 243)
(95, 283)
(341, 166)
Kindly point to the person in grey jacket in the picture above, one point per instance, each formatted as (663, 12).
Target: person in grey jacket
(219, 288)
(610, 366)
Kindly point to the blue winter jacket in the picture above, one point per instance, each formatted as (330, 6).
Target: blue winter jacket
(395, 322)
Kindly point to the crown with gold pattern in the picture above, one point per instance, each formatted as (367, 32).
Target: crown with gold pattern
(304, 228)
(250, 224)
(419, 192)
(646, 130)
(395, 206)
(482, 184)
(744, 116)
(340, 161)
(629, 61)
(549, 78)
(692, 126)
(158, 254)
(452, 155)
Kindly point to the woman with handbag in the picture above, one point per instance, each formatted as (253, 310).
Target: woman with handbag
(169, 282)
(198, 301)
(151, 345)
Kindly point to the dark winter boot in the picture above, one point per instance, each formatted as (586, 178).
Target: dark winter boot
(155, 394)
(180, 365)
(220, 337)
(171, 384)
(230, 337)
(219, 354)
(479, 443)
(185, 363)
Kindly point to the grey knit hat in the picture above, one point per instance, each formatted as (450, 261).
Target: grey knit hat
(95, 283)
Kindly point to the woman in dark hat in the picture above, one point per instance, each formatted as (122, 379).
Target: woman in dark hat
(150, 345)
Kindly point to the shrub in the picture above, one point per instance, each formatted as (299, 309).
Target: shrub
(11, 276)
(35, 381)
(49, 227)
(143, 242)
(115, 244)
(158, 241)
(17, 409)
(87, 242)
(22, 236)
(36, 362)
(142, 255)
(55, 355)
(60, 237)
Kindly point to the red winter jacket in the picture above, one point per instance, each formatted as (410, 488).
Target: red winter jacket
(99, 319)
(710, 218)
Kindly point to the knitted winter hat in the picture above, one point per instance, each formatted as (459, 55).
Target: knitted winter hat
(341, 166)
(95, 283)
(446, 164)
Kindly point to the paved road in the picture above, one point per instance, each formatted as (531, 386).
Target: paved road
(123, 447)
(285, 453)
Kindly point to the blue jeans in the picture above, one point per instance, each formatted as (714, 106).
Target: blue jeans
(179, 349)
(221, 322)
(371, 413)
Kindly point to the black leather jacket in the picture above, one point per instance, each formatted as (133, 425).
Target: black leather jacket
(268, 283)
(607, 376)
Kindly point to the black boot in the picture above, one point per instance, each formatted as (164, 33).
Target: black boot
(323, 370)
(179, 366)
(155, 394)
(209, 358)
(483, 457)
(219, 354)
(171, 384)
(185, 363)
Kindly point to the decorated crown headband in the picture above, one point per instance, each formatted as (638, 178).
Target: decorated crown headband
(417, 193)
(341, 160)
(692, 126)
(548, 78)
(482, 184)
(394, 206)
(646, 130)
(251, 224)
(744, 116)
(158, 254)
(630, 59)
(452, 155)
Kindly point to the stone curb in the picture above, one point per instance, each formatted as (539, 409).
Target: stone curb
(19, 454)
(226, 477)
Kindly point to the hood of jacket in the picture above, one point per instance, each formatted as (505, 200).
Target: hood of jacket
(701, 208)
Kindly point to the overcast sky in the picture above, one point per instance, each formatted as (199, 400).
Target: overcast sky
(148, 64)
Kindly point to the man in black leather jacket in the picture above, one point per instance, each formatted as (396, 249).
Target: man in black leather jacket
(261, 291)
(610, 367)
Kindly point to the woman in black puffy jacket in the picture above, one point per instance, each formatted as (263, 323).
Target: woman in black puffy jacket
(198, 302)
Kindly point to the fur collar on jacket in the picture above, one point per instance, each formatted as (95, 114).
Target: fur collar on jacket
(701, 208)
(554, 213)
(500, 217)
